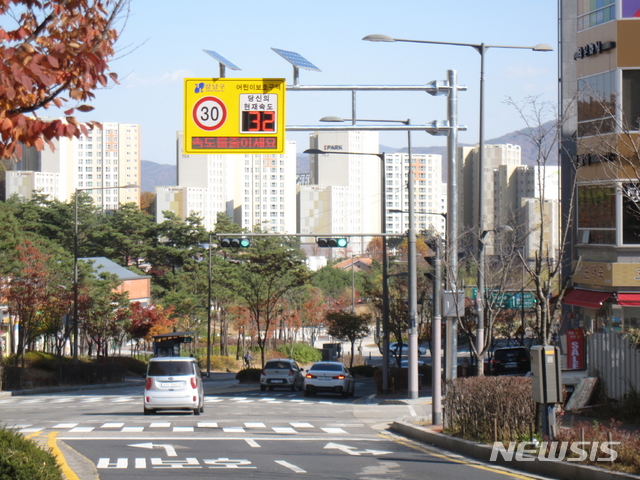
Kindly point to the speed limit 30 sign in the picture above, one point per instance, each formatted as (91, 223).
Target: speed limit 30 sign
(234, 115)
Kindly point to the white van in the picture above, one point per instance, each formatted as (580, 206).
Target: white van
(173, 383)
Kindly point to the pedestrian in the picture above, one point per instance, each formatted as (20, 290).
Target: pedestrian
(248, 358)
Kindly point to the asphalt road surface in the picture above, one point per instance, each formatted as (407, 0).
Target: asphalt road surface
(242, 433)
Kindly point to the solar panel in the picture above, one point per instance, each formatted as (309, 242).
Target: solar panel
(222, 60)
(296, 59)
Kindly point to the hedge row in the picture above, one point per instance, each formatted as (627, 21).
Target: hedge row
(483, 408)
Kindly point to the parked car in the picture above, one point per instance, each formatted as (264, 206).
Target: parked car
(331, 377)
(396, 348)
(173, 383)
(510, 360)
(281, 372)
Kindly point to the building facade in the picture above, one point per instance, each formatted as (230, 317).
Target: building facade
(107, 157)
(359, 210)
(600, 65)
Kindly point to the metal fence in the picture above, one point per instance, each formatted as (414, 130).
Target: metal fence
(614, 360)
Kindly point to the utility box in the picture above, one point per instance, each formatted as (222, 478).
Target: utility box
(546, 373)
(331, 352)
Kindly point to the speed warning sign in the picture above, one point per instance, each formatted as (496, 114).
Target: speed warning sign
(234, 115)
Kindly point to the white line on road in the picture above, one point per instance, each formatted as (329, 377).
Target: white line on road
(290, 466)
(412, 411)
(252, 443)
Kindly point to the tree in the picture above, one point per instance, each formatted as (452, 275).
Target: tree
(28, 291)
(545, 269)
(51, 49)
(143, 319)
(267, 270)
(348, 326)
(102, 311)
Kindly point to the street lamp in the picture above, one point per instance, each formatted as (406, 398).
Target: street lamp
(414, 388)
(481, 48)
(75, 262)
(385, 272)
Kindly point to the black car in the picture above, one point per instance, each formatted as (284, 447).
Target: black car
(510, 360)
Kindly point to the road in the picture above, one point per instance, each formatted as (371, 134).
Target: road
(243, 433)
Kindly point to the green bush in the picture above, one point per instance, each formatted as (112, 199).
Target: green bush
(475, 406)
(249, 375)
(219, 363)
(302, 353)
(23, 459)
(129, 364)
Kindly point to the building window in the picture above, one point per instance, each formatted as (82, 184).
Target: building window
(596, 104)
(597, 214)
(631, 214)
(592, 13)
(631, 99)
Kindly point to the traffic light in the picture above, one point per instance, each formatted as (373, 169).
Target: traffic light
(332, 242)
(235, 242)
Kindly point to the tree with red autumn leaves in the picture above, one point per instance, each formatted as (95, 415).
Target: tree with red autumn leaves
(51, 48)
(147, 318)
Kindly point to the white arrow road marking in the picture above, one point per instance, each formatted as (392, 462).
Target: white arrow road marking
(291, 466)
(171, 451)
(353, 450)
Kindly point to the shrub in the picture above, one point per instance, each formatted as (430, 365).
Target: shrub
(472, 405)
(129, 364)
(301, 352)
(219, 363)
(249, 375)
(23, 459)
(627, 460)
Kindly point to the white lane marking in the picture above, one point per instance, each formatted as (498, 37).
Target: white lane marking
(412, 411)
(30, 430)
(113, 425)
(160, 425)
(62, 400)
(81, 430)
(283, 430)
(233, 430)
(290, 466)
(91, 400)
(254, 425)
(183, 429)
(207, 424)
(132, 429)
(65, 425)
(333, 430)
(252, 443)
(300, 425)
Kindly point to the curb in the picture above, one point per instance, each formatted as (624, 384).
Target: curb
(553, 469)
(70, 388)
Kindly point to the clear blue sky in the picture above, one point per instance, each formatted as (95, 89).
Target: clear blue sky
(164, 41)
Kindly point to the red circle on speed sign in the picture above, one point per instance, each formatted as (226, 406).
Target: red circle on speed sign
(209, 113)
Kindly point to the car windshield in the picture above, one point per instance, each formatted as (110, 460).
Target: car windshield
(277, 365)
(327, 366)
(170, 368)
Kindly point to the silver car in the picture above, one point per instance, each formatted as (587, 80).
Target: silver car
(331, 377)
(173, 383)
(282, 373)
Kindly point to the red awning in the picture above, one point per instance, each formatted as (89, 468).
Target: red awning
(586, 298)
(629, 299)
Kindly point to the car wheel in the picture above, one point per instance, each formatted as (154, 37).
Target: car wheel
(202, 408)
(353, 390)
(345, 393)
(148, 411)
(293, 387)
(306, 393)
(196, 411)
(271, 389)
(262, 388)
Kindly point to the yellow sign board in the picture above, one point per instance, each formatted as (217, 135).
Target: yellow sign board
(234, 115)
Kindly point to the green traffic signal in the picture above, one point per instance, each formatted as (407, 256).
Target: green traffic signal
(235, 242)
(332, 242)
